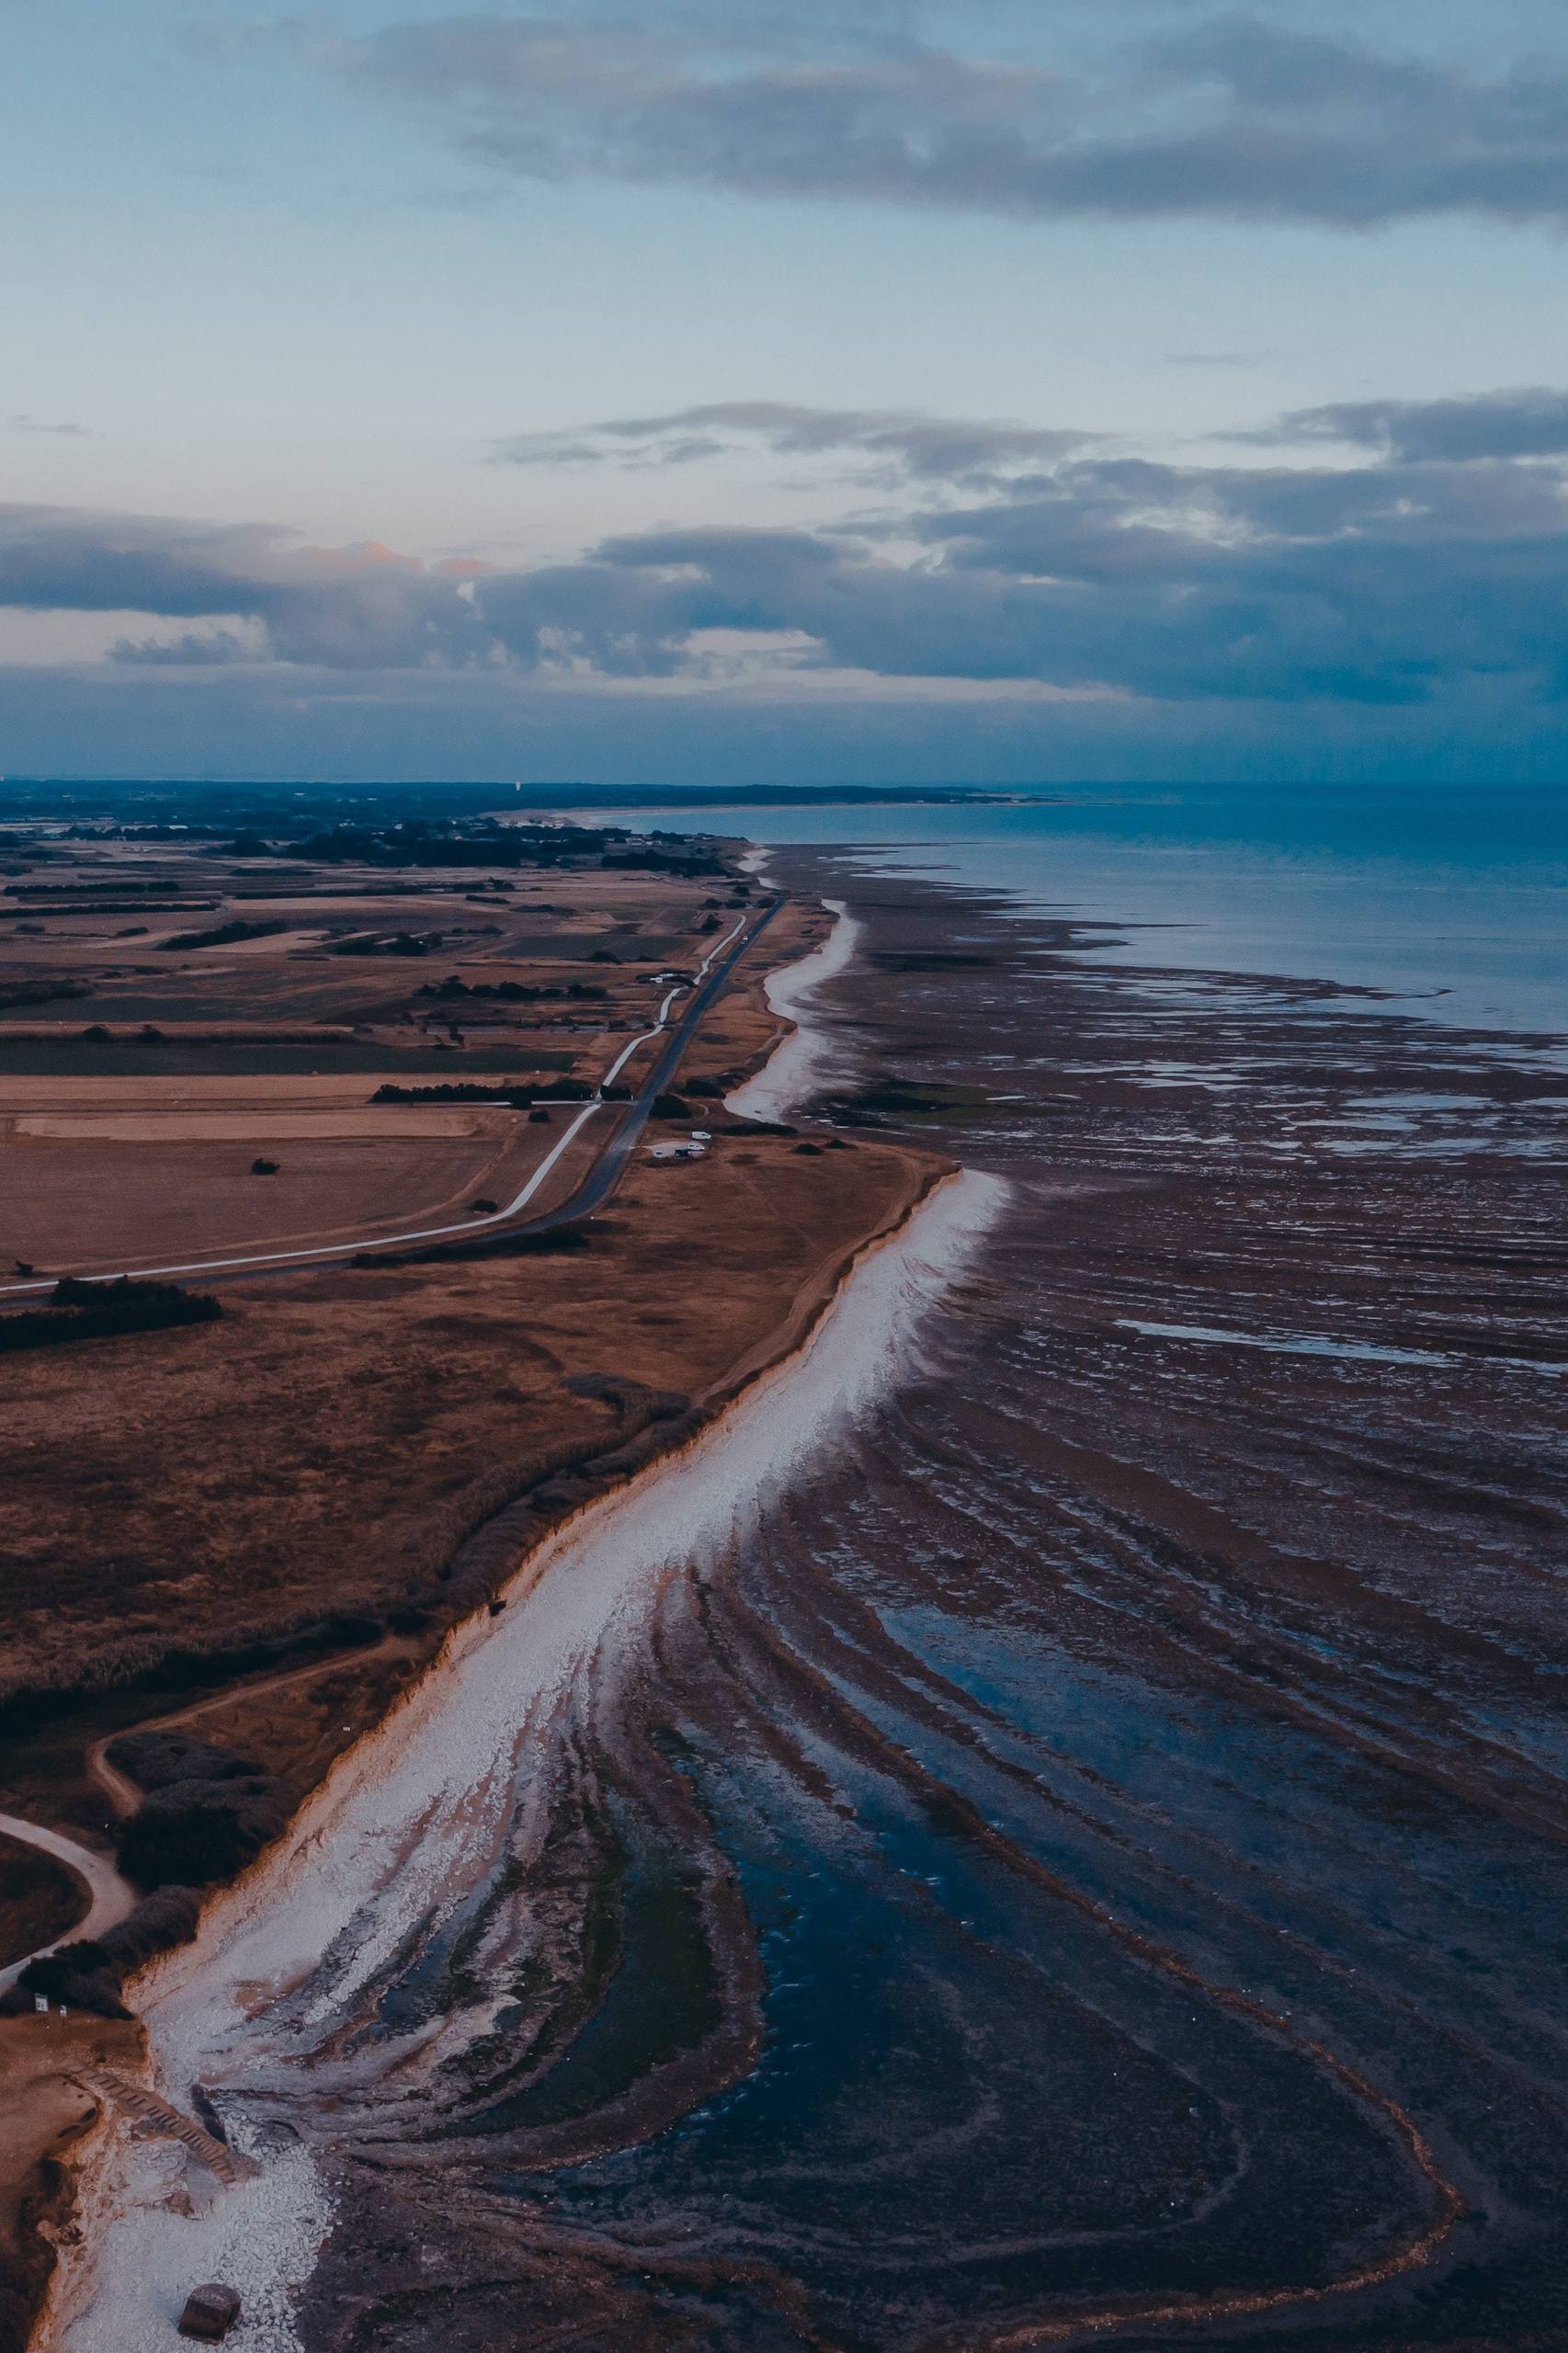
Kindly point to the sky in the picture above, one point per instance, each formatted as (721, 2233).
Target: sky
(1029, 391)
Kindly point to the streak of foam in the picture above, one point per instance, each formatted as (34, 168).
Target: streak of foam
(797, 1068)
(421, 1811)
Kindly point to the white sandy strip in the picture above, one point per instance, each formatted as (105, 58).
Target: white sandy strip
(806, 1059)
(418, 1813)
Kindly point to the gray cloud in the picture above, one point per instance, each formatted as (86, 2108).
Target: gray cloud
(1232, 117)
(1528, 422)
(353, 608)
(1400, 580)
(42, 425)
(896, 445)
(1385, 585)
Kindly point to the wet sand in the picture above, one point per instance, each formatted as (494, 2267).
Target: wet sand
(1045, 1831)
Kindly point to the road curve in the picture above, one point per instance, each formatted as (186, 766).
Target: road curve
(600, 1181)
(110, 1898)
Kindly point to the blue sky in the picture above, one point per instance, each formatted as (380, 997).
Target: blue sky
(858, 392)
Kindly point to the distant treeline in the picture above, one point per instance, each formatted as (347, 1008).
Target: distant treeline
(510, 992)
(223, 935)
(520, 1098)
(553, 1242)
(86, 1311)
(43, 991)
(443, 842)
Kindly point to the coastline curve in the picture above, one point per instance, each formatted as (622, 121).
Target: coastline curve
(421, 1808)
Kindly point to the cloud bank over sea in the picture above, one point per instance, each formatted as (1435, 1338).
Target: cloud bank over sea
(876, 390)
(1381, 556)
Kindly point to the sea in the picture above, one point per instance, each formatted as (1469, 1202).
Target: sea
(1452, 899)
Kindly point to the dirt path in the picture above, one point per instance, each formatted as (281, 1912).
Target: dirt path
(125, 1795)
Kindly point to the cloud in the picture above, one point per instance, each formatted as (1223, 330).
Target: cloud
(1404, 579)
(42, 425)
(351, 607)
(1528, 422)
(898, 445)
(1232, 117)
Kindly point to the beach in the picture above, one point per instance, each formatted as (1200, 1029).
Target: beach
(1043, 1823)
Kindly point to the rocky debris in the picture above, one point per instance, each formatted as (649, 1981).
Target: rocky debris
(210, 2313)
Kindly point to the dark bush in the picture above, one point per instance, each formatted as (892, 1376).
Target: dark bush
(223, 935)
(264, 1168)
(167, 1917)
(194, 1832)
(155, 1760)
(81, 1975)
(670, 1107)
(93, 1310)
(90, 1974)
(505, 1245)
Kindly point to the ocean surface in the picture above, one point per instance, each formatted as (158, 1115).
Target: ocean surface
(1454, 900)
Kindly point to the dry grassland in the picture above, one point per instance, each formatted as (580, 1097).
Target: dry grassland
(86, 1203)
(327, 1446)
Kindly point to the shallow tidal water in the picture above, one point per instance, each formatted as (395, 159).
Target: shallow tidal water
(1057, 1835)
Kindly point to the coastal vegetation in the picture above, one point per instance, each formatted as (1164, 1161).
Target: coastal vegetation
(98, 1311)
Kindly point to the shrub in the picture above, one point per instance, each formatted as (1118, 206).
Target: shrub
(91, 1311)
(223, 935)
(194, 1832)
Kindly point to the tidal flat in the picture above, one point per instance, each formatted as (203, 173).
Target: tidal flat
(1042, 1827)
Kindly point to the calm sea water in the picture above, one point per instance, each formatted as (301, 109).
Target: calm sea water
(1453, 899)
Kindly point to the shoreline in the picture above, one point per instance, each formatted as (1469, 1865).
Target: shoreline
(801, 1056)
(265, 1887)
(1110, 1462)
(741, 1387)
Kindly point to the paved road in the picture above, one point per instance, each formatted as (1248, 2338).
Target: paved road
(110, 1897)
(712, 974)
